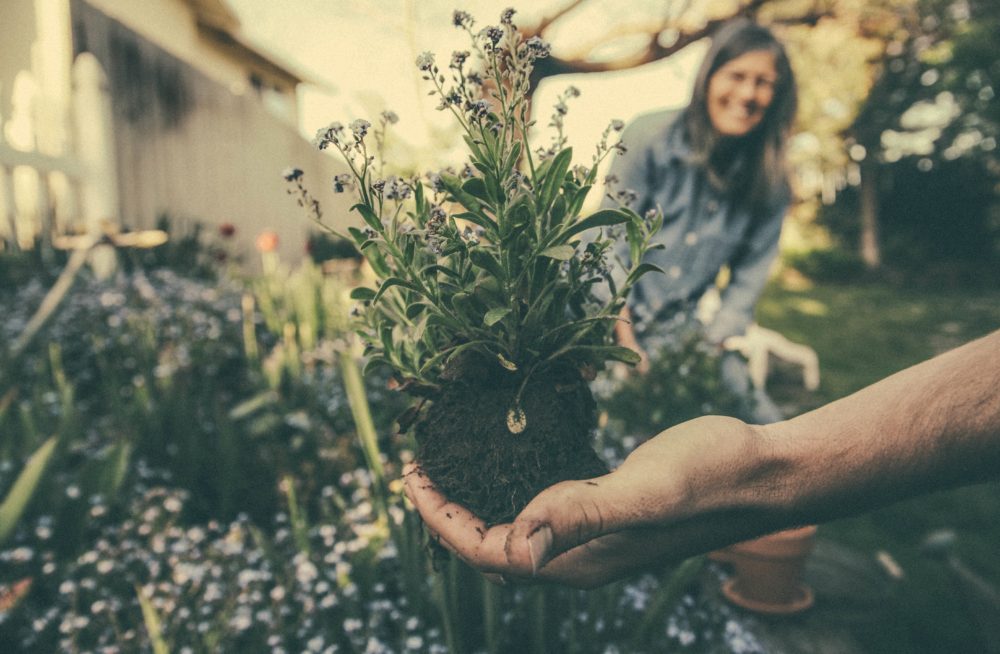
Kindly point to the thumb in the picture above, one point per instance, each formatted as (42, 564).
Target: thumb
(560, 518)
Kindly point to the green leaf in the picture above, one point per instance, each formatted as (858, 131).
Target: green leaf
(480, 219)
(369, 216)
(385, 336)
(634, 236)
(554, 178)
(476, 187)
(557, 214)
(433, 268)
(506, 363)
(419, 203)
(603, 218)
(372, 365)
(462, 303)
(393, 281)
(488, 262)
(409, 251)
(493, 316)
(415, 309)
(473, 146)
(641, 270)
(511, 161)
(559, 252)
(24, 488)
(605, 352)
(576, 328)
(455, 188)
(115, 468)
(449, 354)
(253, 405)
(358, 236)
(578, 198)
(669, 595)
(438, 317)
(152, 622)
(375, 258)
(362, 293)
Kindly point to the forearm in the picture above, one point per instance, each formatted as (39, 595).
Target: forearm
(713, 481)
(932, 426)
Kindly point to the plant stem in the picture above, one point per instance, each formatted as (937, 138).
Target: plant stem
(365, 426)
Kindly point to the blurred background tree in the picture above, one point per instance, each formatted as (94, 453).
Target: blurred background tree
(926, 142)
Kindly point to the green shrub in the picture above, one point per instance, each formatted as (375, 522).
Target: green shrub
(833, 265)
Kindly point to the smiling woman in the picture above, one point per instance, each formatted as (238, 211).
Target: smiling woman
(717, 171)
(740, 92)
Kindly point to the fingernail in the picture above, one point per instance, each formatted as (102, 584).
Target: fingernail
(539, 544)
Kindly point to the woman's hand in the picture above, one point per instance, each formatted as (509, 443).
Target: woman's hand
(625, 336)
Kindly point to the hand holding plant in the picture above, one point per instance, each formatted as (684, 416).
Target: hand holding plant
(495, 300)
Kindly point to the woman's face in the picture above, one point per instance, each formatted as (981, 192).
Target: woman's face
(740, 92)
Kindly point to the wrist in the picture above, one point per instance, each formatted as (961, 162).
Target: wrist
(744, 479)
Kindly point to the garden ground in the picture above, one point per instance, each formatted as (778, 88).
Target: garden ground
(863, 333)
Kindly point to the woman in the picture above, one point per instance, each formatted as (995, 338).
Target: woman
(717, 171)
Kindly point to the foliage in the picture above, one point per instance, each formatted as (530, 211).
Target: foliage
(830, 265)
(933, 97)
(127, 549)
(225, 388)
(20, 493)
(242, 586)
(937, 226)
(321, 560)
(684, 381)
(489, 260)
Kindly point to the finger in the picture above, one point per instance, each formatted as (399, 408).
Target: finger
(461, 531)
(436, 537)
(608, 558)
(560, 518)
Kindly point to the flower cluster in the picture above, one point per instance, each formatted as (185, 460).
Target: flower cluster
(335, 585)
(488, 259)
(226, 587)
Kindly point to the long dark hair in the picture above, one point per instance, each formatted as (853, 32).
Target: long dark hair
(750, 169)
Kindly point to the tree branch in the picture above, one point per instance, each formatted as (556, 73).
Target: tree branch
(544, 24)
(654, 50)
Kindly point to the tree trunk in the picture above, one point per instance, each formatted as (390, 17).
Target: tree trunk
(871, 254)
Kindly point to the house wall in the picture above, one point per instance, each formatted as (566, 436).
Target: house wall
(190, 150)
(155, 18)
(17, 34)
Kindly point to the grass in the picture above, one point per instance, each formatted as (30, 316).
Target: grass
(862, 334)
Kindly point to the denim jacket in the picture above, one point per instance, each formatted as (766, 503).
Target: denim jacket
(702, 231)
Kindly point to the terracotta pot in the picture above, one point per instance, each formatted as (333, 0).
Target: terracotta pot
(767, 574)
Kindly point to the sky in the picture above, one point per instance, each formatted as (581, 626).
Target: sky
(360, 55)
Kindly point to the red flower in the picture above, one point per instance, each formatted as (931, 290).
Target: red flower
(267, 242)
(227, 230)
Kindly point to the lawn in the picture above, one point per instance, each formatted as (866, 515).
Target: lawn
(861, 334)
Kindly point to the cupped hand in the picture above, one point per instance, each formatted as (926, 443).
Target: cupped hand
(588, 532)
